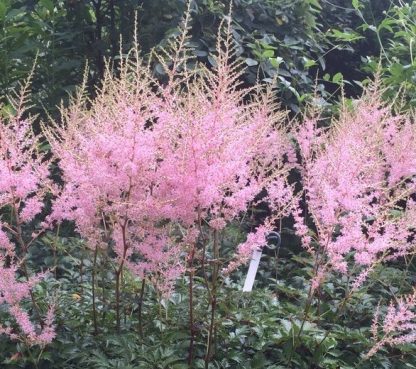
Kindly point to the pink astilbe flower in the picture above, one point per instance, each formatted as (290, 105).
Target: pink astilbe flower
(160, 260)
(23, 185)
(34, 334)
(359, 178)
(399, 325)
(219, 151)
(255, 241)
(356, 177)
(110, 157)
(146, 165)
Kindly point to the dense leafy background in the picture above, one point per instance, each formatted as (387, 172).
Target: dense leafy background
(307, 45)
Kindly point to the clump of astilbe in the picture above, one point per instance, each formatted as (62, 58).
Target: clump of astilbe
(359, 182)
(23, 185)
(154, 170)
(358, 177)
(220, 146)
(110, 158)
(399, 324)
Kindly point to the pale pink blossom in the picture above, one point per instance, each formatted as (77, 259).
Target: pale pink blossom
(354, 174)
(23, 184)
(145, 164)
(399, 325)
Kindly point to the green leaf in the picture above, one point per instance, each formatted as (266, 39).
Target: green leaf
(337, 78)
(308, 62)
(3, 10)
(48, 4)
(200, 53)
(356, 4)
(258, 361)
(212, 61)
(180, 366)
(386, 24)
(345, 36)
(15, 13)
(315, 3)
(267, 54)
(286, 324)
(275, 62)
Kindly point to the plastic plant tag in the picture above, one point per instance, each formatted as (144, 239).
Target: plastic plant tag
(252, 271)
(273, 241)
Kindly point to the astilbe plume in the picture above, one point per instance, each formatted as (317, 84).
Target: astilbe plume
(146, 164)
(359, 182)
(221, 145)
(110, 160)
(399, 324)
(23, 185)
(358, 178)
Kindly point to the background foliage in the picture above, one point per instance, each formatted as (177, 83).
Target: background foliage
(305, 44)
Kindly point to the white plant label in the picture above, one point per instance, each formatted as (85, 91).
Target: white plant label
(252, 271)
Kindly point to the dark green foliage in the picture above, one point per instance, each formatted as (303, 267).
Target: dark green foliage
(45, 29)
(294, 41)
(397, 31)
(261, 329)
